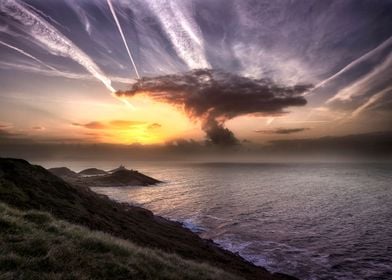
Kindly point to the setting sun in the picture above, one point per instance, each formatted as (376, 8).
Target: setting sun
(263, 127)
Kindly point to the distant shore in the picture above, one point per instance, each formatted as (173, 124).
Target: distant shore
(30, 187)
(93, 177)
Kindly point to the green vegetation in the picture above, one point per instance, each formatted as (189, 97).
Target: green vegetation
(35, 245)
(29, 187)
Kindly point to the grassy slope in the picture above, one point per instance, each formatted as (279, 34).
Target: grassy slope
(28, 187)
(34, 245)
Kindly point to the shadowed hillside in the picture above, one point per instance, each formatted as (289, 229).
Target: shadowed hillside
(34, 245)
(30, 187)
(118, 178)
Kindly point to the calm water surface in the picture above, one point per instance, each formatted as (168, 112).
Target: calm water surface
(313, 221)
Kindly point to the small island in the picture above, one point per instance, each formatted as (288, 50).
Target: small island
(44, 218)
(92, 172)
(93, 177)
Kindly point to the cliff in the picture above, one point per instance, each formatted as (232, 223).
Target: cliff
(29, 187)
(35, 245)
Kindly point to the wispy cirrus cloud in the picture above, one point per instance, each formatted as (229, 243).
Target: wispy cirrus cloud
(55, 42)
(379, 75)
(27, 55)
(387, 44)
(374, 99)
(58, 73)
(182, 30)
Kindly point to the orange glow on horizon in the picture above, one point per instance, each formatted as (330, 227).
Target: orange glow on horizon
(142, 121)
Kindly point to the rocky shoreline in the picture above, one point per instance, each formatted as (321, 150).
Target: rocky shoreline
(93, 177)
(30, 187)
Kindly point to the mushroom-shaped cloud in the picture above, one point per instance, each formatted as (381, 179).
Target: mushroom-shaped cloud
(214, 96)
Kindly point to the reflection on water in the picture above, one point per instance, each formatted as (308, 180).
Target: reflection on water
(314, 221)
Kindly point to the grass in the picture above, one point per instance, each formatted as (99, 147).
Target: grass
(29, 187)
(35, 245)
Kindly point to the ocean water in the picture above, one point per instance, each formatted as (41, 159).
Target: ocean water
(313, 221)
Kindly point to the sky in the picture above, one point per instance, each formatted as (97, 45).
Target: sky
(226, 72)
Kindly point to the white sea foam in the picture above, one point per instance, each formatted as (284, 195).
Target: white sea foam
(314, 227)
(192, 225)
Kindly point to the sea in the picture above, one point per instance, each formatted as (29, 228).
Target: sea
(309, 220)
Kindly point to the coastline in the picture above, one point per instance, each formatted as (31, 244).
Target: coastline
(197, 230)
(31, 187)
(212, 243)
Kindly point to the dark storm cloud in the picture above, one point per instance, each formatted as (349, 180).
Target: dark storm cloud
(154, 126)
(213, 96)
(282, 130)
(217, 134)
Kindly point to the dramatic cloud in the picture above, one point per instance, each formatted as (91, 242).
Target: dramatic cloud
(154, 126)
(220, 135)
(282, 130)
(42, 49)
(213, 96)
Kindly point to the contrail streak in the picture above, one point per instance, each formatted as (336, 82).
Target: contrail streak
(28, 55)
(372, 100)
(353, 64)
(59, 73)
(122, 36)
(360, 86)
(53, 39)
(182, 31)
